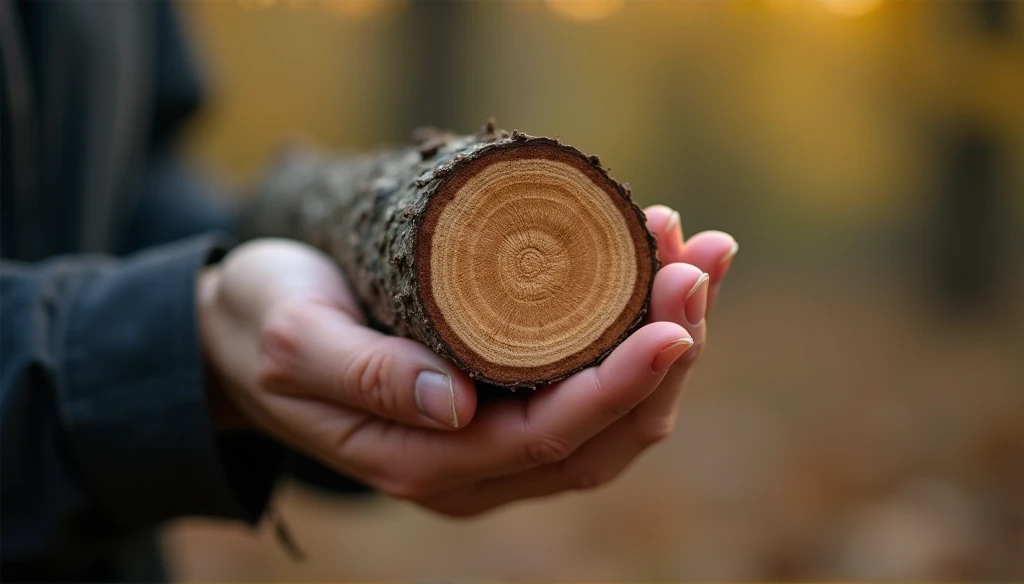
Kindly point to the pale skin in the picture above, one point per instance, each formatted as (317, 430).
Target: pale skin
(290, 355)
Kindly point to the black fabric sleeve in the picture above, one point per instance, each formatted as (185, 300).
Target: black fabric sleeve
(105, 427)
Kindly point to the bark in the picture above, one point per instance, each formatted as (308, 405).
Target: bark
(378, 217)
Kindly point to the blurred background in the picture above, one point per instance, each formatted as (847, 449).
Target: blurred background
(860, 411)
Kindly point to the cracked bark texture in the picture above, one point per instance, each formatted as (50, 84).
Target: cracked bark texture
(376, 215)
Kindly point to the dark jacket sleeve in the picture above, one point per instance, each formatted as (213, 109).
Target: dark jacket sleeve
(175, 200)
(105, 427)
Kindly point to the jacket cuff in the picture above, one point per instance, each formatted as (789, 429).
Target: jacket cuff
(135, 401)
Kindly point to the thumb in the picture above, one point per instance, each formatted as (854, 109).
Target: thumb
(328, 355)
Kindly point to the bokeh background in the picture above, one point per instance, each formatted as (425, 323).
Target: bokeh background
(860, 411)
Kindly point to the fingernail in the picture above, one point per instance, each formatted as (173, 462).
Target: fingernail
(673, 221)
(435, 397)
(732, 252)
(670, 354)
(673, 228)
(696, 303)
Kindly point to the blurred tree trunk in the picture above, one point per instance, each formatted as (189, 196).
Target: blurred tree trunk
(433, 59)
(967, 232)
(966, 254)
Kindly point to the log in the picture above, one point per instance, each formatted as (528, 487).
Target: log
(516, 257)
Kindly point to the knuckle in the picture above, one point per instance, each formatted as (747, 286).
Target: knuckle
(653, 431)
(366, 378)
(612, 408)
(546, 449)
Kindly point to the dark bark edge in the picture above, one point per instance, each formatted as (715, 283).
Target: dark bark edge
(450, 177)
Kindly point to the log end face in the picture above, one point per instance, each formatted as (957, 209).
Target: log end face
(532, 263)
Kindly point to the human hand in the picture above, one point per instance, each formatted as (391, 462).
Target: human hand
(290, 350)
(628, 408)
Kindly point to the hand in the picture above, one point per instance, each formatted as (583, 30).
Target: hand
(289, 349)
(627, 407)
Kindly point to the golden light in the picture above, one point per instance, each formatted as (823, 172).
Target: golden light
(785, 6)
(256, 4)
(361, 8)
(585, 10)
(850, 7)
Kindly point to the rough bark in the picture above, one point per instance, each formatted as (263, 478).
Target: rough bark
(378, 216)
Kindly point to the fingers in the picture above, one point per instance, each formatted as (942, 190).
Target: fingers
(558, 419)
(665, 224)
(314, 350)
(586, 403)
(683, 293)
(513, 435)
(679, 296)
(680, 293)
(711, 251)
(596, 463)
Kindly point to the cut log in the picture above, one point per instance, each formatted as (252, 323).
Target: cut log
(516, 257)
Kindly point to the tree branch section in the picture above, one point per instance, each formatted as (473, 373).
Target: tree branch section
(516, 257)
